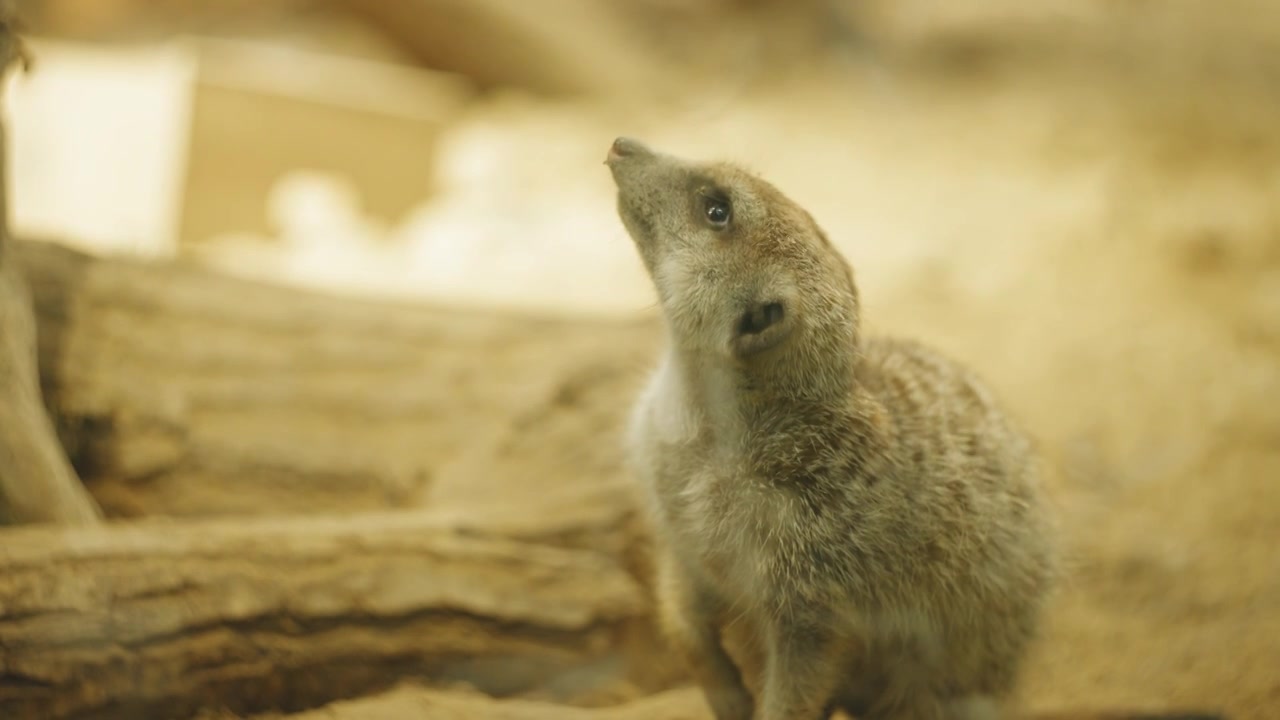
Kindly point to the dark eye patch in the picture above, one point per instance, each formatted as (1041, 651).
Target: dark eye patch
(713, 193)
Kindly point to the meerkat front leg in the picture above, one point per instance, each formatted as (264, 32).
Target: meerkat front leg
(806, 662)
(690, 615)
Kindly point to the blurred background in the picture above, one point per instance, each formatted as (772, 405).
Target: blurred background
(450, 149)
(1080, 199)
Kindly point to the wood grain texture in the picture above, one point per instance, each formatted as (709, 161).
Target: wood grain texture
(408, 702)
(37, 483)
(178, 391)
(155, 618)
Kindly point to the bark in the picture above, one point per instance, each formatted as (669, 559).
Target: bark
(161, 619)
(179, 391)
(626, 51)
(555, 47)
(407, 702)
(37, 482)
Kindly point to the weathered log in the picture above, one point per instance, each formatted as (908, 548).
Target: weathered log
(37, 483)
(623, 51)
(179, 391)
(163, 618)
(564, 46)
(409, 702)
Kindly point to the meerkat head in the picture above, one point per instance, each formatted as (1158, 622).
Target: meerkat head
(739, 268)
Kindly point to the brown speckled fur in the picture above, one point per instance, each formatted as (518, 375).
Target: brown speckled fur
(862, 507)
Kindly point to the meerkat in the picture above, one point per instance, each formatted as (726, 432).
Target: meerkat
(862, 507)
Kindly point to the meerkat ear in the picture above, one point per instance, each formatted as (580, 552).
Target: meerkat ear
(763, 326)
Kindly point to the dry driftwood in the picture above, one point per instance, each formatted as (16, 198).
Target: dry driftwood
(556, 46)
(163, 618)
(183, 392)
(408, 702)
(37, 483)
(625, 51)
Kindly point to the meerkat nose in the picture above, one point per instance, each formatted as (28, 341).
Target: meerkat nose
(625, 147)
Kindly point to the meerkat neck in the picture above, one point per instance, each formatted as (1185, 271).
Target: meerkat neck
(732, 395)
(707, 386)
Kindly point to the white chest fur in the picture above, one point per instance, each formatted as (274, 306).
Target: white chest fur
(683, 434)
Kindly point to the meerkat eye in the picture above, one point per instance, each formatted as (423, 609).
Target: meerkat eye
(717, 211)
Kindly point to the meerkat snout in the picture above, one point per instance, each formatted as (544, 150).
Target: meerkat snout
(625, 147)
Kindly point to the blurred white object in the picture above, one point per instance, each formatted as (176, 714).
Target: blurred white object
(99, 141)
(328, 241)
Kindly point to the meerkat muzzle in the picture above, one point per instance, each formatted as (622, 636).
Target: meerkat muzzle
(625, 147)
